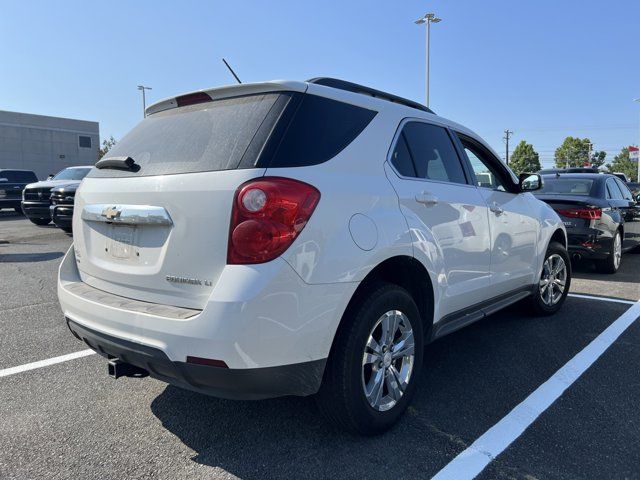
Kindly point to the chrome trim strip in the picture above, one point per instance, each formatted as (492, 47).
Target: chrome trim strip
(126, 214)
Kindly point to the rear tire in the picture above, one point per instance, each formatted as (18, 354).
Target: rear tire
(612, 263)
(371, 375)
(554, 282)
(40, 221)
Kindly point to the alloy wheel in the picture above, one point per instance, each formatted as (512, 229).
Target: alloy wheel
(387, 362)
(617, 251)
(553, 279)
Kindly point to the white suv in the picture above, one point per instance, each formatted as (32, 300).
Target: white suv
(299, 238)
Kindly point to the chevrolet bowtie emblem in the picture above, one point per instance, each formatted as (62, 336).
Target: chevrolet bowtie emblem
(111, 213)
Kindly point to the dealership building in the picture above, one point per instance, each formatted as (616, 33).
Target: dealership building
(46, 145)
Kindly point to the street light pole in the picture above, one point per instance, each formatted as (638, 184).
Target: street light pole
(428, 19)
(142, 88)
(638, 179)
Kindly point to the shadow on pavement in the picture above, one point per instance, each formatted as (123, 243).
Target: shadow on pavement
(471, 379)
(6, 215)
(629, 270)
(29, 257)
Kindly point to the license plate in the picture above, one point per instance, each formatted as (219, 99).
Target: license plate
(120, 244)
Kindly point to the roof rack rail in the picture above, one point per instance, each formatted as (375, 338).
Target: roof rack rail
(372, 92)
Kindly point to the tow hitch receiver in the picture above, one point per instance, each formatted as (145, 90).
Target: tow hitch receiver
(117, 368)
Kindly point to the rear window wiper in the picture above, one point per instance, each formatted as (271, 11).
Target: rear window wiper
(118, 163)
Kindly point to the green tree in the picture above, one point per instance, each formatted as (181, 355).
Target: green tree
(524, 159)
(574, 152)
(597, 158)
(106, 146)
(622, 163)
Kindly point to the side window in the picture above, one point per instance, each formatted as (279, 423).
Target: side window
(10, 176)
(426, 151)
(320, 129)
(613, 192)
(401, 158)
(626, 193)
(486, 174)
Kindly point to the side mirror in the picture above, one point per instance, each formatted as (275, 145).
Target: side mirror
(50, 176)
(637, 196)
(530, 182)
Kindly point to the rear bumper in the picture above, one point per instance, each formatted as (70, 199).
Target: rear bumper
(36, 209)
(237, 384)
(590, 244)
(272, 329)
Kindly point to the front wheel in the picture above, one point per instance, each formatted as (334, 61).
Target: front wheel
(375, 363)
(554, 282)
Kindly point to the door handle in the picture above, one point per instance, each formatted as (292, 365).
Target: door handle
(497, 209)
(427, 199)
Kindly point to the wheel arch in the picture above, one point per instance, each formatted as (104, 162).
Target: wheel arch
(560, 237)
(406, 272)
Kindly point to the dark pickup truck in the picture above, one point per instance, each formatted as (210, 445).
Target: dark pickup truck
(62, 199)
(36, 201)
(12, 183)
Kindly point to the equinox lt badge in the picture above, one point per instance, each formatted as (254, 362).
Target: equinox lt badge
(188, 281)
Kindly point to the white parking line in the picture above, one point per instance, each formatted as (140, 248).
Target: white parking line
(45, 363)
(602, 299)
(493, 442)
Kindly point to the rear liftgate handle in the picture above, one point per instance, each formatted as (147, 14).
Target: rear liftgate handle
(427, 199)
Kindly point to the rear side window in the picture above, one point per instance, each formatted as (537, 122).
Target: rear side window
(426, 151)
(401, 158)
(319, 130)
(613, 191)
(196, 138)
(626, 193)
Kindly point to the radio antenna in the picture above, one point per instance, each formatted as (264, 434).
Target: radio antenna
(231, 70)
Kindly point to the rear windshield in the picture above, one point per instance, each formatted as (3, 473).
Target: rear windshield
(567, 186)
(282, 129)
(196, 138)
(72, 174)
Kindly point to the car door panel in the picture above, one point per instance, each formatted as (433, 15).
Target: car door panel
(514, 233)
(514, 228)
(447, 220)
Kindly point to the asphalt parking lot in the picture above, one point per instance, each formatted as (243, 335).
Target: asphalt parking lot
(70, 420)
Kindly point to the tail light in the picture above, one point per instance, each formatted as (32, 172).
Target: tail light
(268, 214)
(585, 213)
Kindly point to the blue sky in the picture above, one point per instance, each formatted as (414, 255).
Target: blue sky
(544, 69)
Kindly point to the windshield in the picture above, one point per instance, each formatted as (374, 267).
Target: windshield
(567, 186)
(72, 174)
